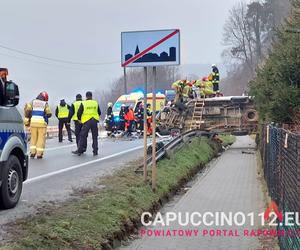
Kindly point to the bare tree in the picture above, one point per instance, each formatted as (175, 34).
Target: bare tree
(246, 32)
(248, 36)
(237, 36)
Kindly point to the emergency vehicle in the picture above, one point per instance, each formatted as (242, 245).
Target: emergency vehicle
(13, 145)
(134, 100)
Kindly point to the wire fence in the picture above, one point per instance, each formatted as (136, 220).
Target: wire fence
(280, 150)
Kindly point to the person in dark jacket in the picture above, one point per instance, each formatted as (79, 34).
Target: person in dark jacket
(89, 114)
(122, 119)
(149, 119)
(62, 114)
(73, 115)
(215, 78)
(140, 118)
(109, 120)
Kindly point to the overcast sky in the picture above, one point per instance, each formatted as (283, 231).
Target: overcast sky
(88, 31)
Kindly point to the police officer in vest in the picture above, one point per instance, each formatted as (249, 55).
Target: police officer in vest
(89, 114)
(73, 115)
(62, 113)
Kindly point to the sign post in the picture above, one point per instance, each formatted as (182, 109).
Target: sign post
(154, 174)
(125, 81)
(145, 124)
(150, 48)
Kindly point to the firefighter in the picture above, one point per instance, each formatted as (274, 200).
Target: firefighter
(202, 87)
(178, 86)
(194, 89)
(62, 114)
(139, 114)
(122, 119)
(197, 89)
(206, 88)
(73, 115)
(187, 91)
(209, 87)
(215, 78)
(38, 112)
(109, 119)
(149, 119)
(89, 114)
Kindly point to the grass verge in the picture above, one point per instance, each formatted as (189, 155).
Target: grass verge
(99, 217)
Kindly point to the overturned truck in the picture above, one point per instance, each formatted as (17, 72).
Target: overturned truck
(233, 114)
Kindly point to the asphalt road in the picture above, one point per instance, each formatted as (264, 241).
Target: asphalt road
(54, 178)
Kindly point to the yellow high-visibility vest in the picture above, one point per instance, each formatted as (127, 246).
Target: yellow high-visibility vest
(63, 112)
(90, 110)
(76, 105)
(186, 91)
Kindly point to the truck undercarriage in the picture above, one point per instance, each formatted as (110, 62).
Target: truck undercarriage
(235, 114)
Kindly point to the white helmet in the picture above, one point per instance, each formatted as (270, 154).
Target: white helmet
(110, 104)
(213, 65)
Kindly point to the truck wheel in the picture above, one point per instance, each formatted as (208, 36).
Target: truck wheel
(12, 183)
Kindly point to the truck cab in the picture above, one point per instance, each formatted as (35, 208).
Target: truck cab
(13, 144)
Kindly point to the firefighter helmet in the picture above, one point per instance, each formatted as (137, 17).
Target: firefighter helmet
(44, 94)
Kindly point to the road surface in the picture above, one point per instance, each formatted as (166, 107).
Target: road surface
(55, 177)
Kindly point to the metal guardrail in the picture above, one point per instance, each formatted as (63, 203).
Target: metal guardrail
(177, 141)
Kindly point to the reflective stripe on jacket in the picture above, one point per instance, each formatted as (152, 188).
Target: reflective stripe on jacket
(38, 113)
(216, 77)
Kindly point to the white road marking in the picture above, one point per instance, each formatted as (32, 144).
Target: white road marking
(41, 177)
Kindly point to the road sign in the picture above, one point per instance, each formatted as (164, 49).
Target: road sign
(150, 48)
